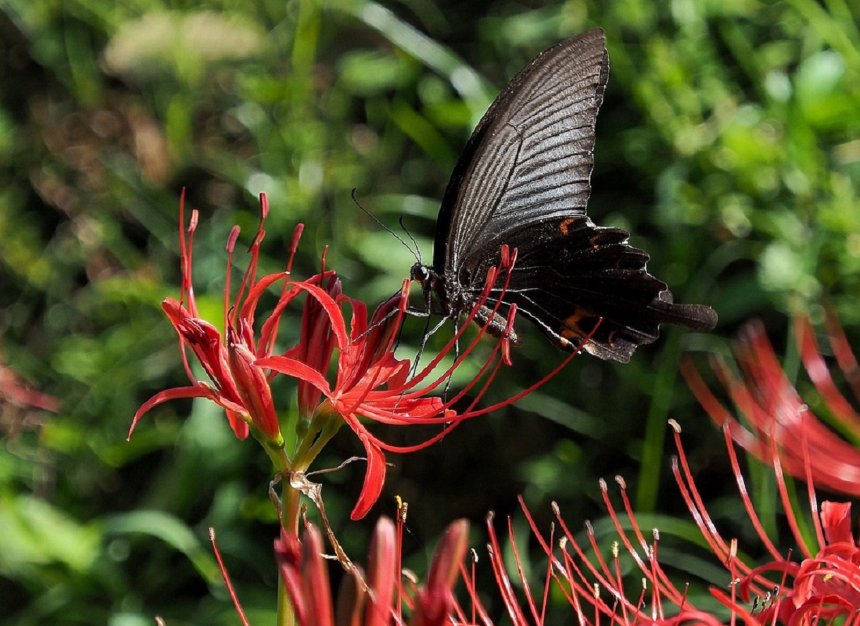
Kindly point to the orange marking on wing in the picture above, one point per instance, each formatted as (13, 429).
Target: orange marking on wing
(571, 325)
(564, 226)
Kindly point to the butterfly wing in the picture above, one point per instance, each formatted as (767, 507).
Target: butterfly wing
(531, 155)
(571, 274)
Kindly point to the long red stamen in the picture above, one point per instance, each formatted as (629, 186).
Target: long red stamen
(502, 580)
(523, 579)
(231, 246)
(249, 278)
(810, 485)
(231, 591)
(744, 494)
(658, 577)
(791, 518)
(601, 573)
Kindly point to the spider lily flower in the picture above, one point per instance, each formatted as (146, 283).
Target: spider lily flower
(775, 412)
(346, 371)
(372, 385)
(235, 383)
(823, 586)
(374, 598)
(593, 586)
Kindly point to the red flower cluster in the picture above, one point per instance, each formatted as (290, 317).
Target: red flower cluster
(378, 596)
(366, 384)
(776, 415)
(235, 382)
(822, 587)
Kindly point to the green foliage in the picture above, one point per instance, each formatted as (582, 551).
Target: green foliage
(728, 144)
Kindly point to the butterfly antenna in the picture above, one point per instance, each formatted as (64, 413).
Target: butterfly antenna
(384, 227)
(411, 238)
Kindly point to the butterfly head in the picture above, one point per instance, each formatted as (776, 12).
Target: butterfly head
(448, 301)
(423, 274)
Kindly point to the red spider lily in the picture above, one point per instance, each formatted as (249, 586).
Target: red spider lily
(822, 587)
(593, 587)
(372, 384)
(369, 383)
(776, 413)
(236, 384)
(374, 599)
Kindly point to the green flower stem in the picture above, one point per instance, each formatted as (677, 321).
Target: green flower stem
(290, 500)
(290, 507)
(313, 436)
(324, 425)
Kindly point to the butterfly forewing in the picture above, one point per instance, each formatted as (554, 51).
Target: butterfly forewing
(531, 155)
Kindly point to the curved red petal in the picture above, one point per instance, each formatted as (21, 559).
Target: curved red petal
(374, 478)
(239, 426)
(295, 369)
(161, 397)
(836, 520)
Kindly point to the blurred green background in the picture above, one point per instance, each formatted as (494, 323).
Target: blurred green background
(729, 144)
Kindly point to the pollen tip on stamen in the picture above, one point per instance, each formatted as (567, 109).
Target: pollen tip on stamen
(491, 515)
(655, 532)
(506, 352)
(474, 555)
(264, 205)
(192, 223)
(323, 258)
(603, 486)
(619, 479)
(297, 235)
(675, 425)
(589, 527)
(402, 509)
(556, 510)
(232, 237)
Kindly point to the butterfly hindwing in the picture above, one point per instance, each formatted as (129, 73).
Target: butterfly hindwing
(570, 274)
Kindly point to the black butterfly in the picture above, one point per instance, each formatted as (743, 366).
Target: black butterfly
(523, 180)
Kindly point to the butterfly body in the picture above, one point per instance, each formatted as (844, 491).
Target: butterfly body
(524, 180)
